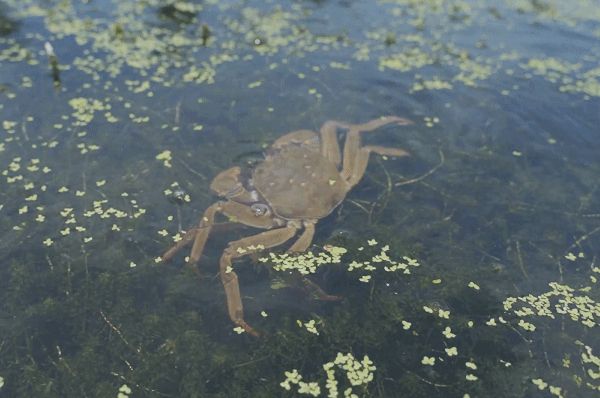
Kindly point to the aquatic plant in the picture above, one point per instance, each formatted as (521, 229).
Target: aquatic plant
(115, 115)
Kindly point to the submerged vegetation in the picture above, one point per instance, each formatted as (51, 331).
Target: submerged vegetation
(115, 116)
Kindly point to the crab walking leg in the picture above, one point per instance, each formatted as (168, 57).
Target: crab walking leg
(188, 237)
(199, 234)
(380, 122)
(241, 248)
(301, 245)
(330, 148)
(185, 240)
(362, 160)
(305, 239)
(352, 146)
(295, 137)
(204, 227)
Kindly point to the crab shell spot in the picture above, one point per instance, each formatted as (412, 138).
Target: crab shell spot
(277, 178)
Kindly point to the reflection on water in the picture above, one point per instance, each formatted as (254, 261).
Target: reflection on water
(498, 203)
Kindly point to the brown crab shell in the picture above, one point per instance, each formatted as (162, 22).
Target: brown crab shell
(299, 183)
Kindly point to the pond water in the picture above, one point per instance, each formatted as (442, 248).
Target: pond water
(468, 269)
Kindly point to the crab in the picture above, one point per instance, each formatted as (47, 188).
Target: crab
(301, 180)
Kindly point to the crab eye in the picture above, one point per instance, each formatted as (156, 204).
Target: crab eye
(260, 209)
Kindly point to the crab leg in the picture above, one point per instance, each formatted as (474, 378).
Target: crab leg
(380, 122)
(199, 235)
(295, 137)
(241, 248)
(329, 142)
(305, 239)
(361, 160)
(185, 240)
(357, 158)
(204, 228)
(301, 245)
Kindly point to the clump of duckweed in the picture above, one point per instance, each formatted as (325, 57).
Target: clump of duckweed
(406, 61)
(431, 84)
(238, 329)
(84, 109)
(305, 263)
(359, 373)
(553, 390)
(293, 377)
(124, 391)
(166, 157)
(591, 364)
(308, 263)
(310, 326)
(560, 300)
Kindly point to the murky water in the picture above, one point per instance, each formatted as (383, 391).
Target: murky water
(470, 268)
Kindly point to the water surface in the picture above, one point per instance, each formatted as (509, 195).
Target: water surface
(494, 218)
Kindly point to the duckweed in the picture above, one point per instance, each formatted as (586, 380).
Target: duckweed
(84, 218)
(308, 263)
(166, 157)
(310, 326)
(357, 374)
(591, 363)
(560, 300)
(124, 391)
(430, 361)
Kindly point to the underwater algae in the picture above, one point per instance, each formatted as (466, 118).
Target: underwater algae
(504, 299)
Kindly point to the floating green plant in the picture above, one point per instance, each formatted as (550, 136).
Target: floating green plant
(358, 374)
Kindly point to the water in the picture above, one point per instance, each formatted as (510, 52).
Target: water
(498, 203)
